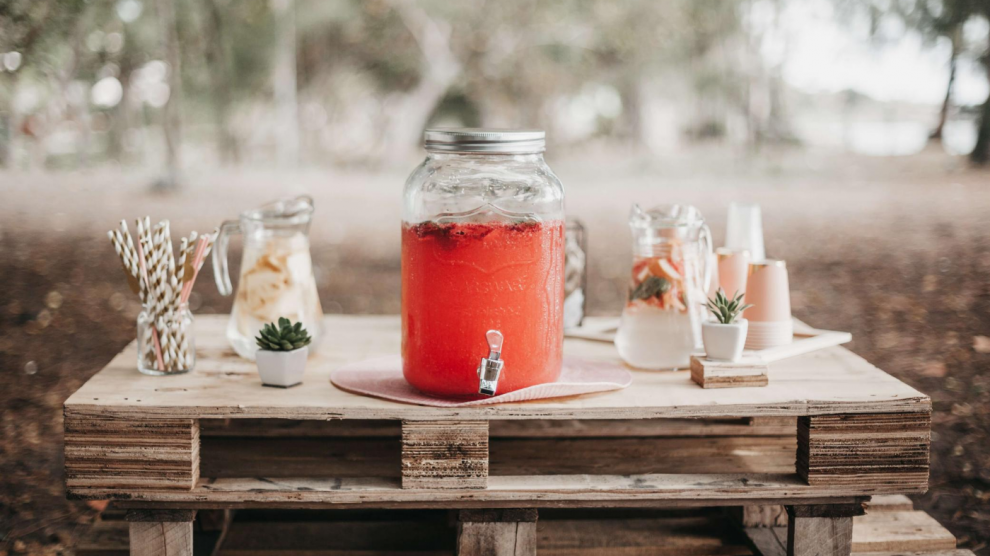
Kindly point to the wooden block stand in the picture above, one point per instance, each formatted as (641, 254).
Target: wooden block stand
(827, 433)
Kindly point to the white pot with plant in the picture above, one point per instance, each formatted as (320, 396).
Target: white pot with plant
(282, 353)
(725, 337)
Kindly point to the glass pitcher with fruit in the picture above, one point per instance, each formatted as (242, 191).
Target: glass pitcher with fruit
(276, 272)
(661, 322)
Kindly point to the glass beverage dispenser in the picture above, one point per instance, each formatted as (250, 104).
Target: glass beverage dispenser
(482, 264)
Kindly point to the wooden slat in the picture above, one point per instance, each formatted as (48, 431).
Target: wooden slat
(444, 454)
(658, 490)
(829, 381)
(346, 457)
(565, 428)
(115, 453)
(853, 450)
(901, 530)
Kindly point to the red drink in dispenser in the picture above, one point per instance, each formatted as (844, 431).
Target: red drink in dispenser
(482, 265)
(460, 280)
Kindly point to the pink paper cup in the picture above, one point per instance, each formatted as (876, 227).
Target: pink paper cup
(733, 267)
(768, 290)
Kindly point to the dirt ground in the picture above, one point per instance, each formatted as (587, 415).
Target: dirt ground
(896, 251)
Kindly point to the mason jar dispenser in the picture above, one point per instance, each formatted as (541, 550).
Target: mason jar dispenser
(482, 264)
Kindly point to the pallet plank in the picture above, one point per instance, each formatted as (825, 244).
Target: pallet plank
(658, 490)
(119, 453)
(865, 449)
(900, 530)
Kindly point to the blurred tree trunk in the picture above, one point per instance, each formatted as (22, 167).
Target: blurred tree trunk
(217, 59)
(408, 113)
(7, 121)
(284, 76)
(943, 114)
(171, 115)
(981, 153)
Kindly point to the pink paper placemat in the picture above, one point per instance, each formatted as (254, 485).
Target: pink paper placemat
(382, 378)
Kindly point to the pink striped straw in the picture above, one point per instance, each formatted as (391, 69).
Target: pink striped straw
(197, 264)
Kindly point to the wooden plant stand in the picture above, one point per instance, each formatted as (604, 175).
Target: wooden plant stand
(827, 433)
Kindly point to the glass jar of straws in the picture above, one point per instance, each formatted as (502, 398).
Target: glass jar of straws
(166, 344)
(163, 280)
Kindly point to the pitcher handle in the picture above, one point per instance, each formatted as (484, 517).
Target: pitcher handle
(220, 271)
(706, 254)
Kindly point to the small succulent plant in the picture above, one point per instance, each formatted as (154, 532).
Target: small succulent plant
(727, 310)
(284, 337)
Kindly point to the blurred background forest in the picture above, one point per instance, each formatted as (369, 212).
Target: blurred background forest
(862, 127)
(178, 84)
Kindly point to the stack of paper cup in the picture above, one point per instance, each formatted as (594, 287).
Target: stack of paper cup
(767, 289)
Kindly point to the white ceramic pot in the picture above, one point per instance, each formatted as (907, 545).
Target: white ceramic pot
(724, 342)
(282, 368)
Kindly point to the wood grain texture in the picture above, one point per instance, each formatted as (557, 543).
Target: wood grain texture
(507, 538)
(161, 539)
(748, 372)
(903, 530)
(819, 536)
(890, 503)
(539, 428)
(890, 449)
(829, 381)
(116, 453)
(444, 454)
(656, 490)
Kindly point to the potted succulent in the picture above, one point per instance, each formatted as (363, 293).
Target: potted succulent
(725, 337)
(282, 353)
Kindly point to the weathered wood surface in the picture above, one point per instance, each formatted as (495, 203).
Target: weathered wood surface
(819, 536)
(903, 533)
(829, 381)
(107, 452)
(161, 538)
(510, 532)
(865, 449)
(444, 454)
(900, 530)
(348, 457)
(750, 371)
(562, 428)
(657, 490)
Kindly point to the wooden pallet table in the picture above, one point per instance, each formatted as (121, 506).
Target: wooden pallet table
(829, 431)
